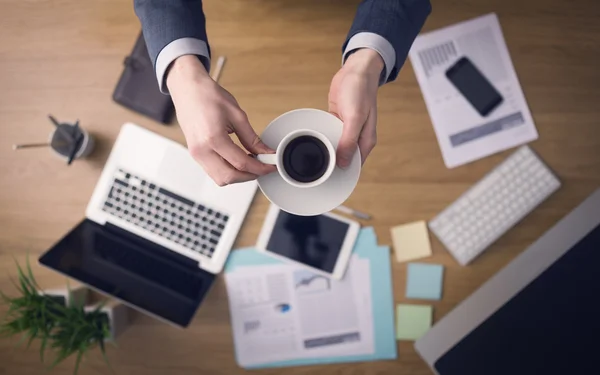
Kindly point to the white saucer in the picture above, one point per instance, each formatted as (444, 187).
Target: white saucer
(319, 199)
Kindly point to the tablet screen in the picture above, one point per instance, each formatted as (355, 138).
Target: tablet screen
(315, 241)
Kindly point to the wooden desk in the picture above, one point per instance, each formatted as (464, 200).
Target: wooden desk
(64, 57)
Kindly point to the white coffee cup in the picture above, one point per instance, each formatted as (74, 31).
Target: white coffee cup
(291, 175)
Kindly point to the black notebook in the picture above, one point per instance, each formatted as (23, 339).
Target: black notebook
(137, 88)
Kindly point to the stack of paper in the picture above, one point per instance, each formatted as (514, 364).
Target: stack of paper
(284, 315)
(463, 134)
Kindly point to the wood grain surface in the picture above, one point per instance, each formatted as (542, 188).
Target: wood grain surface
(64, 57)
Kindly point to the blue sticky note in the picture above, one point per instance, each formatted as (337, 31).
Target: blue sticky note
(424, 281)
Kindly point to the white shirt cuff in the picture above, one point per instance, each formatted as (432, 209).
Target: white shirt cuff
(175, 49)
(375, 42)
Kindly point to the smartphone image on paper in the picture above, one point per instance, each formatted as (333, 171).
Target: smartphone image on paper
(473, 85)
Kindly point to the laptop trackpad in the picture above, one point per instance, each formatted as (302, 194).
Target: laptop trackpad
(180, 172)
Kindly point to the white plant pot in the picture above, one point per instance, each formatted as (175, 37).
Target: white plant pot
(76, 296)
(118, 317)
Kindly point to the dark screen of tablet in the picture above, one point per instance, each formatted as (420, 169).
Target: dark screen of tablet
(312, 240)
(551, 327)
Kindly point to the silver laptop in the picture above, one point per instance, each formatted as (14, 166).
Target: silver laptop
(538, 315)
(157, 228)
(153, 188)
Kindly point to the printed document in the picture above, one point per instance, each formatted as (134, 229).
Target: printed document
(283, 312)
(463, 134)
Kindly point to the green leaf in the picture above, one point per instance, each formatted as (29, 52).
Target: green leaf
(5, 298)
(30, 274)
(59, 358)
(43, 347)
(77, 362)
(16, 285)
(105, 357)
(22, 281)
(32, 336)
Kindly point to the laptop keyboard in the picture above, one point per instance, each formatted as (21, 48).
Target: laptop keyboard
(165, 213)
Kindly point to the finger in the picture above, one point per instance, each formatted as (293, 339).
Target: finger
(247, 136)
(222, 172)
(368, 136)
(238, 159)
(349, 140)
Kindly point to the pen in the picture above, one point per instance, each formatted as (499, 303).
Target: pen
(219, 68)
(355, 213)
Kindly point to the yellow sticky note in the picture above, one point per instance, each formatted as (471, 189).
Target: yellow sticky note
(411, 241)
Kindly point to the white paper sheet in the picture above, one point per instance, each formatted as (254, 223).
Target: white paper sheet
(463, 134)
(283, 312)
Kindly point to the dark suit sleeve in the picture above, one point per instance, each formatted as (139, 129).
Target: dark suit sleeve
(164, 21)
(398, 21)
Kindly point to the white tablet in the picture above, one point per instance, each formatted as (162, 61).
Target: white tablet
(321, 243)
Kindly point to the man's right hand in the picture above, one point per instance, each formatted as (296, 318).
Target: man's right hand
(207, 114)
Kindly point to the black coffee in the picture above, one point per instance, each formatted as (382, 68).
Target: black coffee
(305, 159)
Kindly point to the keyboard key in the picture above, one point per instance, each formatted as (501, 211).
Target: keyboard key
(176, 197)
(122, 183)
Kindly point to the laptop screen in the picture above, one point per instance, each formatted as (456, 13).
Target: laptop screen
(139, 272)
(552, 326)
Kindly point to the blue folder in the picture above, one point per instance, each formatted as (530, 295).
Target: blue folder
(382, 298)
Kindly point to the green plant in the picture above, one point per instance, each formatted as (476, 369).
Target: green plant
(66, 330)
(31, 314)
(77, 332)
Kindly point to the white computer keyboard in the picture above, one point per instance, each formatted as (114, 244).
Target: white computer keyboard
(495, 204)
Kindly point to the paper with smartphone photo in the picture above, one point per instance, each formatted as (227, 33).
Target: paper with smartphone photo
(464, 135)
(285, 312)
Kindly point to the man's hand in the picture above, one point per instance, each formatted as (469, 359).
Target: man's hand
(353, 98)
(207, 114)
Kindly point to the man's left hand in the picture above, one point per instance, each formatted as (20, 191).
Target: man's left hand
(353, 98)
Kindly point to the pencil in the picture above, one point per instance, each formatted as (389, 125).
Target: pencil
(355, 213)
(219, 68)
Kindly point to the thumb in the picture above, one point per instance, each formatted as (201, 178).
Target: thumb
(349, 141)
(248, 137)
